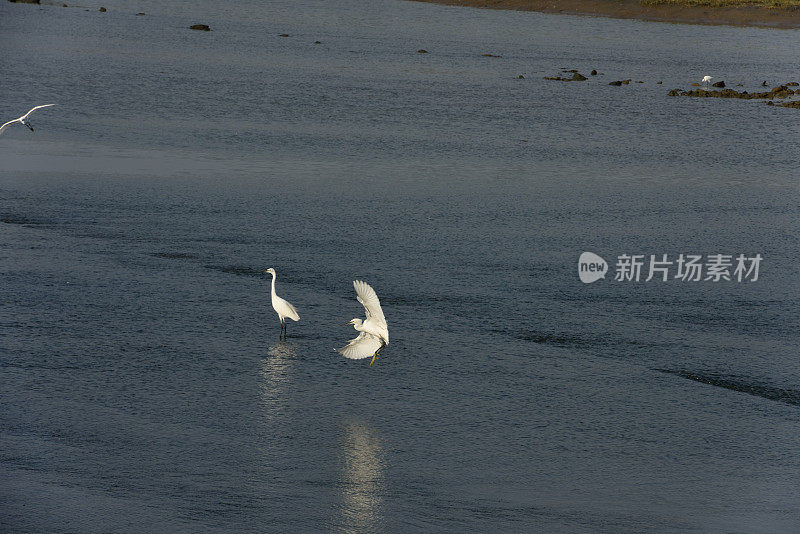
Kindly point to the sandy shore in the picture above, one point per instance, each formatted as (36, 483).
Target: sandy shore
(633, 9)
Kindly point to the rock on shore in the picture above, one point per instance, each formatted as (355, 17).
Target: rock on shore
(576, 77)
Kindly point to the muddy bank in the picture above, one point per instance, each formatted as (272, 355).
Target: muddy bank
(785, 18)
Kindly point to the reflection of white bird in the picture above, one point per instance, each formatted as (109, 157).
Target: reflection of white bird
(362, 479)
(374, 334)
(282, 307)
(21, 120)
(707, 80)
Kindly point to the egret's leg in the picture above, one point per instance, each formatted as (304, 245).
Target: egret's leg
(377, 353)
(29, 126)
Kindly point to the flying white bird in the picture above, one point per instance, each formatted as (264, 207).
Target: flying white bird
(21, 120)
(282, 307)
(374, 334)
(707, 80)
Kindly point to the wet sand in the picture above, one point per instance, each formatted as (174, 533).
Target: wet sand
(788, 18)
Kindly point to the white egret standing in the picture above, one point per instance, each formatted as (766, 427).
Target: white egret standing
(707, 80)
(374, 334)
(21, 120)
(282, 307)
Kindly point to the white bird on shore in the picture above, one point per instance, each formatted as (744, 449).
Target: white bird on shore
(21, 120)
(374, 333)
(707, 80)
(281, 306)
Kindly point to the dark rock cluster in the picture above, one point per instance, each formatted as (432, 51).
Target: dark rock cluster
(781, 91)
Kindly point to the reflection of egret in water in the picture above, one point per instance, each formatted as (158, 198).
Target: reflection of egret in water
(361, 479)
(275, 378)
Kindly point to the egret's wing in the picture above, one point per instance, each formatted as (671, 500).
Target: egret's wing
(285, 308)
(368, 299)
(294, 316)
(3, 127)
(364, 346)
(34, 109)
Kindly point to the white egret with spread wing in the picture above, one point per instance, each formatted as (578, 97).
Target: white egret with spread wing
(282, 307)
(22, 119)
(374, 333)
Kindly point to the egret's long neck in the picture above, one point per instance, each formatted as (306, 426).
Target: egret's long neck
(273, 286)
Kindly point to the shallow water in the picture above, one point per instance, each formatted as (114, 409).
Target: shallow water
(144, 388)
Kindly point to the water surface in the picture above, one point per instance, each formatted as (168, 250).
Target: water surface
(144, 387)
